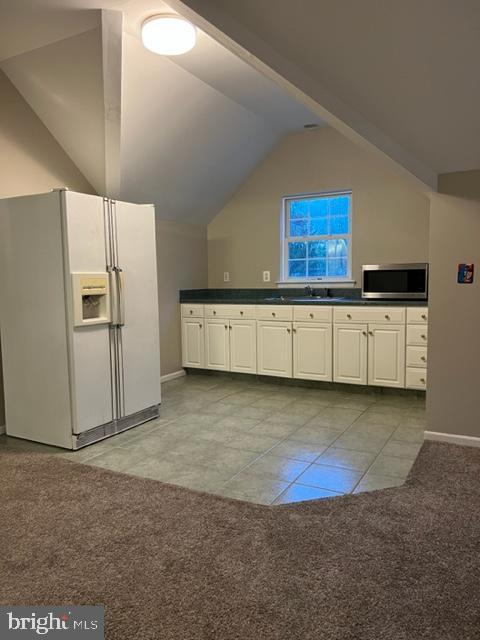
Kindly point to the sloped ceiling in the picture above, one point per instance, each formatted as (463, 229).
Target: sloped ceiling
(402, 74)
(192, 127)
(63, 84)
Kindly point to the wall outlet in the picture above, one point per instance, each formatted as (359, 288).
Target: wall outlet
(226, 276)
(266, 276)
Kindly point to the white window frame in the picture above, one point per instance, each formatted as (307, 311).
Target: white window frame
(284, 240)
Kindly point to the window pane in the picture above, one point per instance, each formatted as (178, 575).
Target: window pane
(319, 208)
(297, 250)
(340, 206)
(317, 267)
(337, 248)
(298, 227)
(317, 249)
(318, 226)
(297, 268)
(298, 208)
(337, 267)
(339, 224)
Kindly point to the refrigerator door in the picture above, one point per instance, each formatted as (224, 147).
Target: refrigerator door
(138, 299)
(90, 362)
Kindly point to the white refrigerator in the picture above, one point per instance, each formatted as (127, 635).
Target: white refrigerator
(79, 317)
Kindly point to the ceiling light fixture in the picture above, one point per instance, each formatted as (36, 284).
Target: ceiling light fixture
(168, 35)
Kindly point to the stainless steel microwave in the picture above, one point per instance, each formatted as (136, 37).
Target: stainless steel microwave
(395, 281)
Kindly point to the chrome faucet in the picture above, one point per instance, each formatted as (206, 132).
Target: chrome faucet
(308, 290)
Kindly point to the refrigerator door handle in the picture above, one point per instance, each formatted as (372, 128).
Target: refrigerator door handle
(112, 274)
(120, 275)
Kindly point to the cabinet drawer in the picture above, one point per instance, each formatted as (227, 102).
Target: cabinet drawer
(417, 335)
(395, 315)
(274, 312)
(313, 313)
(242, 311)
(417, 357)
(192, 310)
(416, 378)
(218, 311)
(417, 315)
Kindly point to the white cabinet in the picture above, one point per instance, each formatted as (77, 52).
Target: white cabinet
(274, 348)
(386, 355)
(217, 346)
(243, 346)
(193, 344)
(350, 353)
(417, 353)
(312, 351)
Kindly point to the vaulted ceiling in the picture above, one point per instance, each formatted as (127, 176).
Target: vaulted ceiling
(181, 132)
(402, 75)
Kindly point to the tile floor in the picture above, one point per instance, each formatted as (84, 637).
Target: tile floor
(265, 442)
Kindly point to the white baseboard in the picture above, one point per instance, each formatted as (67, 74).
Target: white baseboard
(172, 376)
(452, 438)
(3, 429)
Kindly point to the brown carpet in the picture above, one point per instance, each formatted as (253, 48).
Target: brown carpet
(169, 563)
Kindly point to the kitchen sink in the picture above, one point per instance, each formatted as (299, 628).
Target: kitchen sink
(302, 299)
(315, 299)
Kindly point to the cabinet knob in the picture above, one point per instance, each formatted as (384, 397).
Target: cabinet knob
(273, 313)
(422, 380)
(288, 330)
(424, 317)
(241, 313)
(423, 336)
(349, 316)
(231, 327)
(370, 333)
(423, 358)
(201, 325)
(364, 333)
(191, 311)
(387, 317)
(214, 313)
(294, 331)
(311, 315)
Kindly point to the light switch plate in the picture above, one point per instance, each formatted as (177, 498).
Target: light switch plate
(266, 276)
(226, 276)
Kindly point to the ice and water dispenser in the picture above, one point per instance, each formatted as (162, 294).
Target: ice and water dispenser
(91, 298)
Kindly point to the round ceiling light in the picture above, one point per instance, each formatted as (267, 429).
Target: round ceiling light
(168, 35)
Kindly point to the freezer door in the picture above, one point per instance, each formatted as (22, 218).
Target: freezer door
(138, 300)
(89, 346)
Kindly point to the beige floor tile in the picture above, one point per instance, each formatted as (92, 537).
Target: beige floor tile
(335, 417)
(346, 458)
(332, 478)
(237, 422)
(301, 493)
(374, 417)
(254, 413)
(399, 449)
(275, 429)
(315, 435)
(252, 442)
(252, 488)
(390, 466)
(371, 482)
(408, 434)
(298, 450)
(288, 417)
(116, 459)
(361, 442)
(276, 467)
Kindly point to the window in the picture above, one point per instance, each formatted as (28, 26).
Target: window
(317, 240)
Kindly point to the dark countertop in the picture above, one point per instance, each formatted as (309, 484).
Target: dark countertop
(288, 297)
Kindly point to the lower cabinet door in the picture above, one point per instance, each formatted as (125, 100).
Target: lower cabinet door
(193, 347)
(312, 351)
(274, 348)
(386, 355)
(217, 348)
(243, 346)
(350, 353)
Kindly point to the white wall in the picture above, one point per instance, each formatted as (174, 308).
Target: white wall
(390, 217)
(31, 161)
(454, 309)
